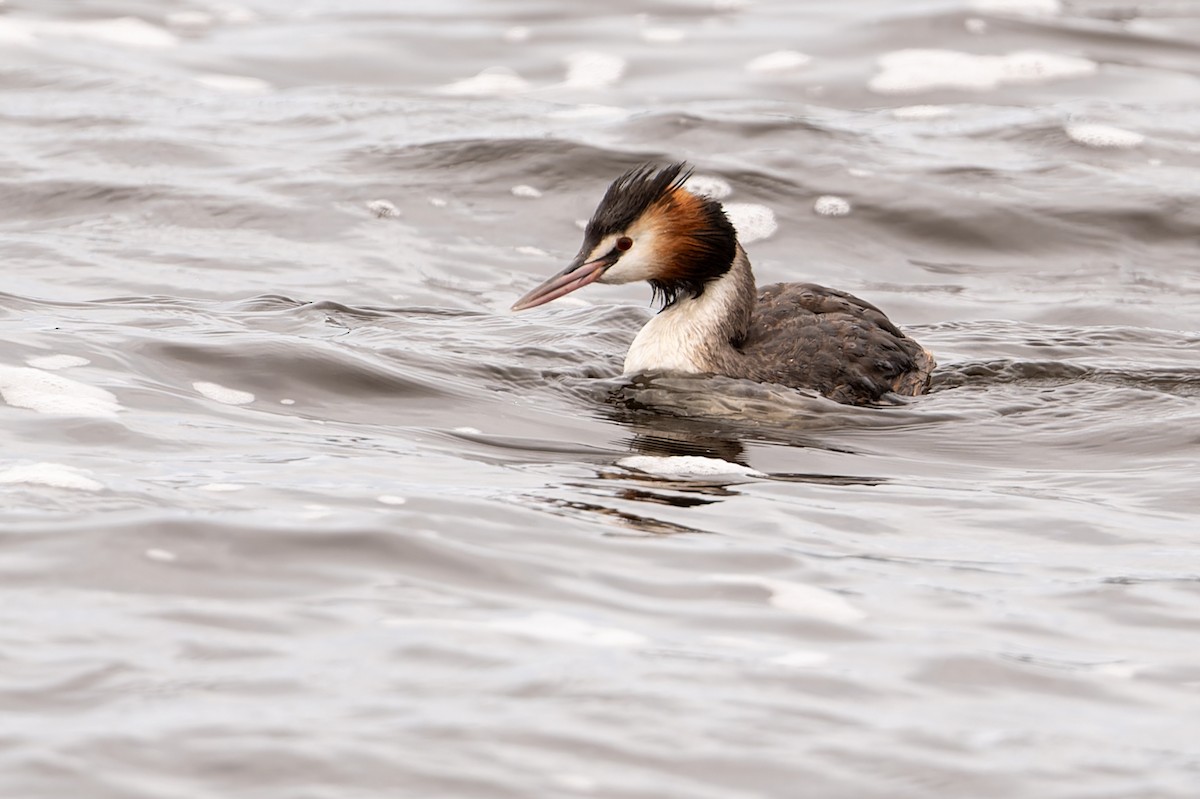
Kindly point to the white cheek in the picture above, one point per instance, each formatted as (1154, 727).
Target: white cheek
(636, 263)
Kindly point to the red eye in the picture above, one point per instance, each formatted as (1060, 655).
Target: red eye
(624, 243)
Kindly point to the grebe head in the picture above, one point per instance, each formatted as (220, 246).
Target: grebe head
(648, 227)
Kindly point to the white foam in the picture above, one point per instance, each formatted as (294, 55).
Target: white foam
(390, 499)
(46, 392)
(525, 191)
(800, 599)
(975, 25)
(920, 112)
(122, 31)
(526, 249)
(1119, 670)
(492, 81)
(221, 488)
(1026, 7)
(56, 475)
(662, 35)
(912, 71)
(517, 33)
(219, 393)
(438, 202)
(685, 466)
(287, 401)
(1104, 136)
(237, 15)
(589, 111)
(753, 221)
(189, 19)
(709, 186)
(778, 62)
(13, 32)
(239, 84)
(831, 205)
(468, 431)
(315, 510)
(592, 70)
(55, 362)
(161, 555)
(384, 209)
(566, 629)
(800, 659)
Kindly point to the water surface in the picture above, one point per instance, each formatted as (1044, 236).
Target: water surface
(294, 507)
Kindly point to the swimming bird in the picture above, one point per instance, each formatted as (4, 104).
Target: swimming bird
(713, 319)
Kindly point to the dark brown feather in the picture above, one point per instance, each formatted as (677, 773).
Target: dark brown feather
(808, 336)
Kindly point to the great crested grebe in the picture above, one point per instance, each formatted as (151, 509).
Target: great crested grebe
(713, 319)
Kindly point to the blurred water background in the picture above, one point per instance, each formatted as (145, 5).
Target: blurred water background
(292, 506)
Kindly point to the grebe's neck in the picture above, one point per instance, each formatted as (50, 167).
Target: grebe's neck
(698, 334)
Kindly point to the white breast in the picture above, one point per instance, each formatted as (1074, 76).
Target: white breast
(693, 334)
(670, 342)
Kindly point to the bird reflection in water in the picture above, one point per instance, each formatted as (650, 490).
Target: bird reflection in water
(662, 435)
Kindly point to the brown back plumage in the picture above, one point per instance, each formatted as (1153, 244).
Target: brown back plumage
(805, 335)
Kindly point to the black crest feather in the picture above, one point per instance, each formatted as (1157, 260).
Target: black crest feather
(630, 195)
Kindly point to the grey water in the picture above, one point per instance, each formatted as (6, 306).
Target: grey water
(291, 505)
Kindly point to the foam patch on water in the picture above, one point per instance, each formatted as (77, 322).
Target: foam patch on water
(517, 33)
(686, 466)
(1104, 136)
(219, 393)
(798, 598)
(912, 71)
(920, 112)
(526, 249)
(55, 362)
(800, 659)
(752, 221)
(161, 555)
(13, 33)
(592, 70)
(390, 499)
(493, 81)
(237, 15)
(46, 392)
(193, 20)
(525, 191)
(384, 209)
(662, 35)
(590, 111)
(239, 84)
(56, 475)
(1024, 7)
(121, 31)
(778, 62)
(831, 205)
(566, 629)
(709, 186)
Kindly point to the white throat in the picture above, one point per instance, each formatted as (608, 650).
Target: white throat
(695, 334)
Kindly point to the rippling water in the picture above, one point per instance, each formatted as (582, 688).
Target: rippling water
(294, 507)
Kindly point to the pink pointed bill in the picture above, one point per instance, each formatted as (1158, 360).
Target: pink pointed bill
(563, 283)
